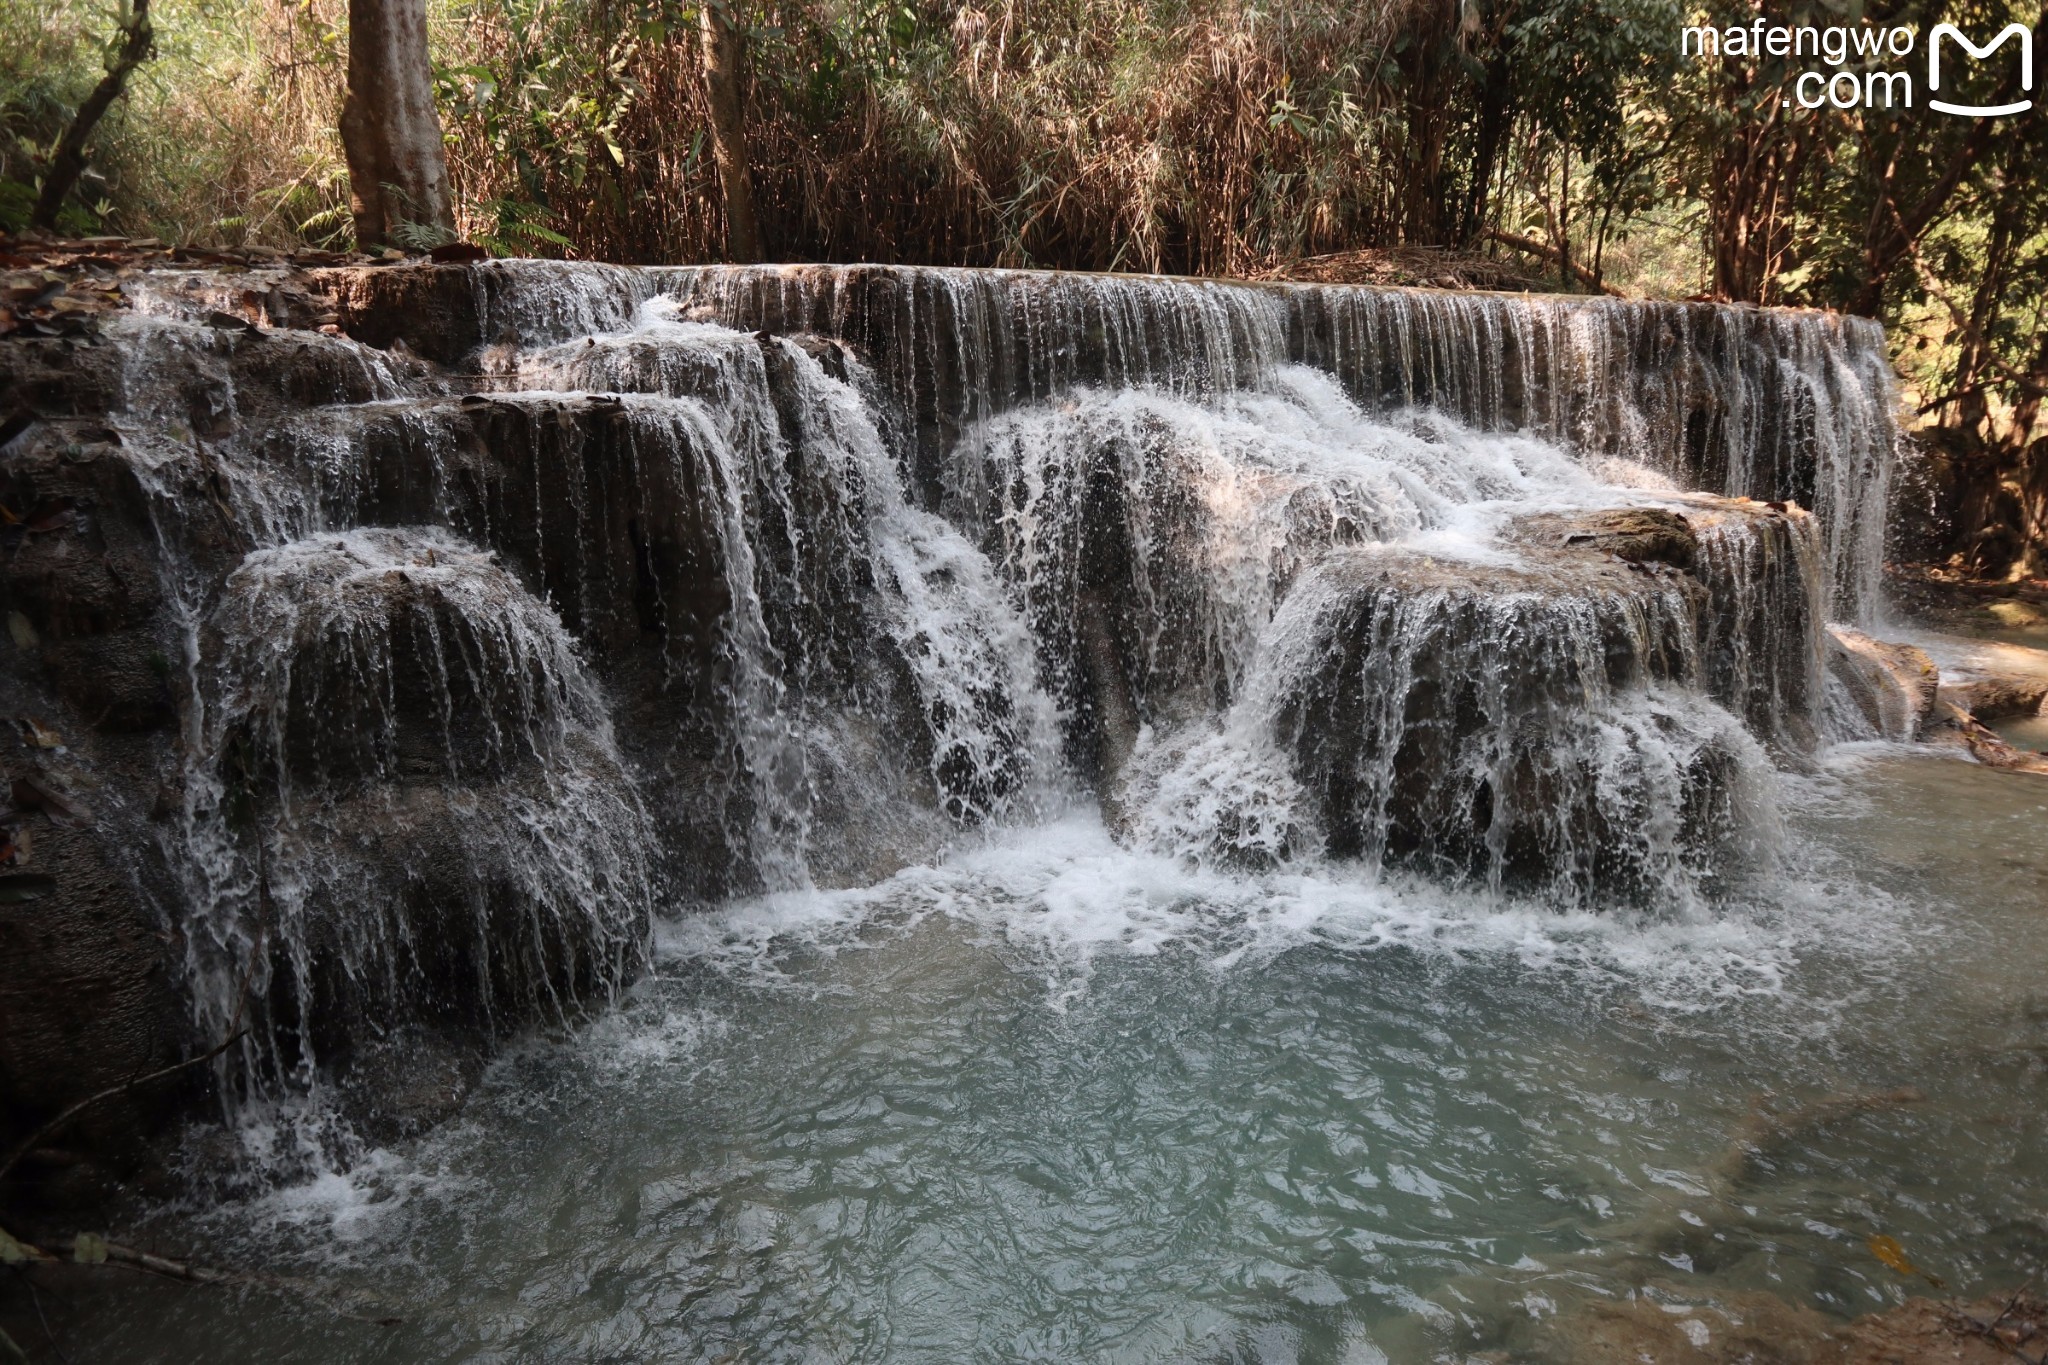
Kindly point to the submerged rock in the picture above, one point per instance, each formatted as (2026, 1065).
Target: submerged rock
(1761, 1329)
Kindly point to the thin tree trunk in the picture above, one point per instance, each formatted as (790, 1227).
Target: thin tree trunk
(397, 163)
(1564, 222)
(68, 162)
(1757, 173)
(1496, 116)
(1972, 408)
(724, 73)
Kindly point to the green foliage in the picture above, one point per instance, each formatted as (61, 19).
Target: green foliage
(517, 229)
(226, 133)
(17, 201)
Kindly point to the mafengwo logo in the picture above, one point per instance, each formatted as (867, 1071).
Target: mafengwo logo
(1872, 68)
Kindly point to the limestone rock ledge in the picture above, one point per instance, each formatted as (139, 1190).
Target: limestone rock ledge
(1891, 686)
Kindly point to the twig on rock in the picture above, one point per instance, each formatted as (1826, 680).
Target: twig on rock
(64, 1117)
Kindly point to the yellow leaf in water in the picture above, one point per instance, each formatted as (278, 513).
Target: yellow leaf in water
(11, 1251)
(89, 1248)
(1888, 1250)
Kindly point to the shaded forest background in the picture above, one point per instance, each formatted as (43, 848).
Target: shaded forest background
(1212, 137)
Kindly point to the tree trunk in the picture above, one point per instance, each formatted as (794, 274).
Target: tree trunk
(724, 72)
(397, 164)
(1972, 410)
(1895, 231)
(1757, 173)
(1496, 117)
(67, 163)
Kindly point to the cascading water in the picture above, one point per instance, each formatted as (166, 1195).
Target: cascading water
(1741, 402)
(403, 798)
(855, 560)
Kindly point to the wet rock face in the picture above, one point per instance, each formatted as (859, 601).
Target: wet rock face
(87, 1004)
(407, 804)
(1761, 639)
(88, 982)
(1635, 535)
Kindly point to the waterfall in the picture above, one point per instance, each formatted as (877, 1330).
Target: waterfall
(404, 796)
(1767, 404)
(552, 596)
(1516, 727)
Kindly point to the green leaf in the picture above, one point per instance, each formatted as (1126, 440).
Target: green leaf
(89, 1248)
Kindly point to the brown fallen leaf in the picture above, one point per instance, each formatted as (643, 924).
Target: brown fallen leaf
(30, 793)
(1888, 1250)
(38, 735)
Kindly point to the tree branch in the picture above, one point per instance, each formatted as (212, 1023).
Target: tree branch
(64, 1117)
(235, 1034)
(67, 163)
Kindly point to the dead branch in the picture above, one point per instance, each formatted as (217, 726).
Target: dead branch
(55, 1125)
(1555, 257)
(235, 1034)
(90, 1249)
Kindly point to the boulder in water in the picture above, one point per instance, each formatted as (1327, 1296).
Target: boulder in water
(404, 807)
(1989, 679)
(1759, 620)
(1891, 686)
(1535, 726)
